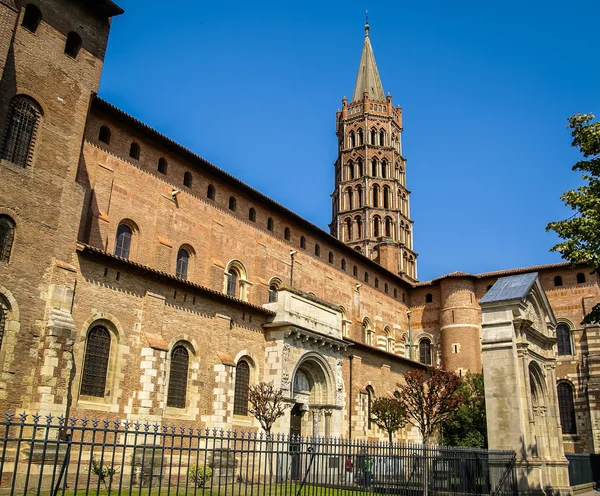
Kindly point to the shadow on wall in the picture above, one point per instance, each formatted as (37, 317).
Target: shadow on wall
(526, 465)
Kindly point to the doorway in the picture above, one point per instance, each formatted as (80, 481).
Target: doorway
(295, 447)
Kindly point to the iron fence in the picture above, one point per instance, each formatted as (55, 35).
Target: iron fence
(58, 456)
(583, 468)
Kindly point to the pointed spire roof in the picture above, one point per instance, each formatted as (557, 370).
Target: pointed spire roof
(368, 75)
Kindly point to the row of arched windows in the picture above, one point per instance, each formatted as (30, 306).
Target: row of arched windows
(378, 197)
(378, 168)
(32, 17)
(377, 137)
(379, 227)
(558, 280)
(96, 364)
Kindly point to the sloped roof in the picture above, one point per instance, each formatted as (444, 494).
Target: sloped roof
(368, 75)
(510, 288)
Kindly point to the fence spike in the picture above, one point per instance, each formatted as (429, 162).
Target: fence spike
(61, 420)
(95, 423)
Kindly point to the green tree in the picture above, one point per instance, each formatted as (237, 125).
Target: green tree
(388, 414)
(581, 232)
(467, 425)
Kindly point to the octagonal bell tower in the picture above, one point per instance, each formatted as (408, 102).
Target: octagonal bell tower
(370, 202)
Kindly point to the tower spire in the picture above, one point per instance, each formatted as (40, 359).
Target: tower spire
(368, 75)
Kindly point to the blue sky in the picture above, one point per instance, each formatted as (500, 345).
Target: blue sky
(485, 87)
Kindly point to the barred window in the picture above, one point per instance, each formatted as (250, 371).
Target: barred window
(21, 128)
(566, 407)
(73, 44)
(563, 337)
(242, 384)
(232, 283)
(425, 351)
(31, 18)
(178, 375)
(7, 235)
(183, 262)
(95, 365)
(123, 243)
(3, 311)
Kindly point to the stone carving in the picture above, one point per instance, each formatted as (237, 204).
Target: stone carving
(532, 315)
(339, 381)
(301, 384)
(285, 381)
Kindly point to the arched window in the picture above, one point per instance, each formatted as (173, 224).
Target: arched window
(386, 197)
(425, 351)
(389, 340)
(178, 377)
(242, 384)
(134, 151)
(359, 137)
(384, 169)
(428, 298)
(210, 193)
(566, 406)
(352, 139)
(388, 227)
(349, 192)
(385, 287)
(376, 282)
(330, 257)
(370, 398)
(382, 138)
(123, 241)
(355, 271)
(376, 223)
(252, 215)
(21, 128)
(7, 236)
(343, 264)
(376, 196)
(359, 196)
(350, 170)
(359, 233)
(95, 364)
(558, 281)
(563, 338)
(360, 167)
(303, 242)
(104, 135)
(317, 250)
(349, 230)
(366, 277)
(183, 262)
(395, 293)
(270, 224)
(287, 234)
(403, 297)
(272, 293)
(31, 18)
(374, 168)
(162, 165)
(580, 278)
(73, 44)
(232, 282)
(232, 204)
(373, 137)
(187, 179)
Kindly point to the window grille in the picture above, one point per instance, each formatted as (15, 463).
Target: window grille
(563, 337)
(21, 128)
(178, 377)
(183, 261)
(425, 351)
(566, 407)
(232, 283)
(7, 234)
(123, 244)
(2, 322)
(242, 384)
(95, 366)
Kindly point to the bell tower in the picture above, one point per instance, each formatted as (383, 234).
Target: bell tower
(370, 201)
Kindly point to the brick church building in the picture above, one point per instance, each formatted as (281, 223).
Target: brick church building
(140, 281)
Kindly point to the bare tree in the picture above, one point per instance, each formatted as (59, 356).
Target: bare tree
(388, 414)
(429, 397)
(267, 404)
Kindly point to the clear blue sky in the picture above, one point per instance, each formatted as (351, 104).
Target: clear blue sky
(485, 87)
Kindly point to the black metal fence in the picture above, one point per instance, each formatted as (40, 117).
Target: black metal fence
(56, 456)
(583, 468)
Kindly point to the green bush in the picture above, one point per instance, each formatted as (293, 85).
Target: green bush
(199, 474)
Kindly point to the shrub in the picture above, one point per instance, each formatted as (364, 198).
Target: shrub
(199, 474)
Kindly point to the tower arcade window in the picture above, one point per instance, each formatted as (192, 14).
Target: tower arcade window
(252, 215)
(134, 151)
(183, 262)
(425, 351)
(373, 137)
(382, 137)
(384, 173)
(566, 407)
(73, 44)
(162, 165)
(104, 135)
(558, 281)
(359, 233)
(348, 230)
(386, 197)
(563, 338)
(31, 18)
(21, 128)
(178, 375)
(7, 236)
(580, 278)
(376, 226)
(187, 179)
(95, 364)
(232, 204)
(210, 193)
(123, 241)
(242, 385)
(374, 168)
(388, 227)
(376, 196)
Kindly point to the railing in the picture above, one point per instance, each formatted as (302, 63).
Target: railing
(55, 456)
(583, 468)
